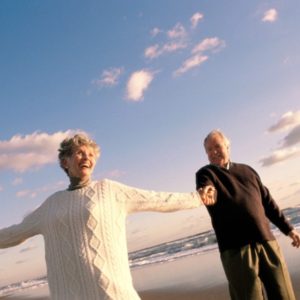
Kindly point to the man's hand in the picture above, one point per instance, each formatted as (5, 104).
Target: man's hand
(208, 195)
(294, 235)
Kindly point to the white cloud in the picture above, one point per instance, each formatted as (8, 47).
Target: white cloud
(190, 63)
(279, 156)
(178, 31)
(152, 51)
(17, 181)
(173, 46)
(156, 51)
(115, 173)
(287, 121)
(26, 193)
(196, 18)
(22, 153)
(209, 44)
(292, 138)
(155, 31)
(33, 193)
(108, 78)
(176, 40)
(138, 83)
(270, 15)
(287, 150)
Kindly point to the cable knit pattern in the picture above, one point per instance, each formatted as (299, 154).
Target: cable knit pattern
(85, 237)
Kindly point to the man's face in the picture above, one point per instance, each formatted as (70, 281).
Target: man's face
(81, 163)
(217, 151)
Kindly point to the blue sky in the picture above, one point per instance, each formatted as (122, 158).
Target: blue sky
(148, 81)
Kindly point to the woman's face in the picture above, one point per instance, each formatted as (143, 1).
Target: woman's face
(81, 163)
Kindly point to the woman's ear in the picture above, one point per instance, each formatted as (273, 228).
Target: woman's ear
(64, 163)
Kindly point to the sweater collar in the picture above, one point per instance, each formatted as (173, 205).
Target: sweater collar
(227, 166)
(78, 183)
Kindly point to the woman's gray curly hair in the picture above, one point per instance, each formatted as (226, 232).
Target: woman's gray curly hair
(68, 144)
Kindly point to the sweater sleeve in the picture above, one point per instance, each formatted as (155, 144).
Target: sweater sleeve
(203, 178)
(16, 234)
(272, 210)
(136, 199)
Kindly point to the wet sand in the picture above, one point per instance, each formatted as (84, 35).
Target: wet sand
(201, 276)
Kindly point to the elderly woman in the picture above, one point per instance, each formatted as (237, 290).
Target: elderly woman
(84, 227)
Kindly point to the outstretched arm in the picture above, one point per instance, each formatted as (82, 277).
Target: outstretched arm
(16, 234)
(294, 235)
(136, 199)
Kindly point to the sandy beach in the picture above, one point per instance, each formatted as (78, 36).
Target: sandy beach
(200, 276)
(188, 278)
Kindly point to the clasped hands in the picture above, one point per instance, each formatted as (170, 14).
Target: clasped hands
(208, 195)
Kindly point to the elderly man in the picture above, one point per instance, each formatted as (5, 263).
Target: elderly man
(244, 207)
(84, 227)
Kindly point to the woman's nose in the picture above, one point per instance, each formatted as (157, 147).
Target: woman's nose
(84, 155)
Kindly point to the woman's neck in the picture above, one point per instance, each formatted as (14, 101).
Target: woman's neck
(78, 183)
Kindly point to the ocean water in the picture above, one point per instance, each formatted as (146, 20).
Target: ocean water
(191, 245)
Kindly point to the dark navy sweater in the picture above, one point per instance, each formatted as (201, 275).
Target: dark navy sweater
(244, 206)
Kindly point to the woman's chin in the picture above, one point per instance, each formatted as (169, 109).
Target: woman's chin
(85, 175)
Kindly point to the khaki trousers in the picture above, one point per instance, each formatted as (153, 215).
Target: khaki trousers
(257, 267)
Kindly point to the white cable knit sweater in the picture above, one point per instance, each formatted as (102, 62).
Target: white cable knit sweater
(85, 237)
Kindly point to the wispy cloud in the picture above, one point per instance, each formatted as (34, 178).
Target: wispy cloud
(179, 39)
(1, 188)
(178, 31)
(108, 78)
(208, 44)
(17, 181)
(213, 44)
(115, 173)
(279, 156)
(156, 50)
(288, 148)
(176, 40)
(155, 31)
(167, 41)
(287, 121)
(33, 193)
(153, 51)
(26, 193)
(137, 84)
(270, 15)
(196, 18)
(190, 63)
(22, 153)
(292, 138)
